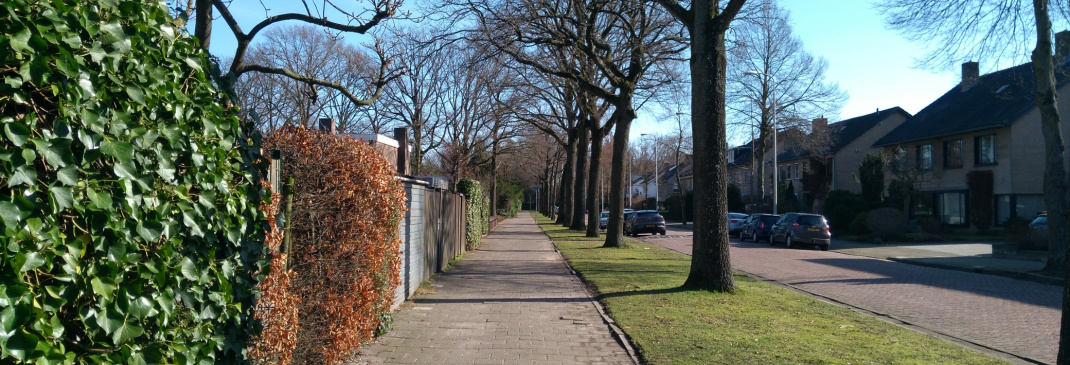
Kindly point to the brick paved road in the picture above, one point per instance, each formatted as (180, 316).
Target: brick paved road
(513, 301)
(1009, 316)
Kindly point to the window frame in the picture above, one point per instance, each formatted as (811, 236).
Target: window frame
(948, 154)
(920, 158)
(977, 153)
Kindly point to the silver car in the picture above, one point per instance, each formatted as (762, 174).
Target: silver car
(603, 219)
(735, 222)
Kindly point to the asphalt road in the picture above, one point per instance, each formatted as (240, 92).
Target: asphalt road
(1014, 319)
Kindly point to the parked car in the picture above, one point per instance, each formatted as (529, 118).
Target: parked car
(735, 222)
(644, 221)
(603, 220)
(757, 226)
(1040, 225)
(796, 229)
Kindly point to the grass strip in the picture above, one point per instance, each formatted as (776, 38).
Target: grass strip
(761, 323)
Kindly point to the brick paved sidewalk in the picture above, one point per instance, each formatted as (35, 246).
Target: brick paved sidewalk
(513, 301)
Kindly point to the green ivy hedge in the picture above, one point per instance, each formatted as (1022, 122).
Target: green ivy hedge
(476, 224)
(128, 193)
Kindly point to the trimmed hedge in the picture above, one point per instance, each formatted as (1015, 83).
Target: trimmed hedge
(128, 193)
(477, 221)
(347, 206)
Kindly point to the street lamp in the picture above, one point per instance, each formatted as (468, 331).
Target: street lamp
(776, 168)
(657, 198)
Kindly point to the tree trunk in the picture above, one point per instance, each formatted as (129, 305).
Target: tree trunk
(593, 210)
(1055, 185)
(417, 150)
(679, 186)
(493, 176)
(622, 118)
(580, 188)
(711, 268)
(568, 178)
(759, 161)
(203, 26)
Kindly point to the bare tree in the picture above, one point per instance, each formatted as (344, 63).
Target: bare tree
(309, 50)
(417, 99)
(1004, 29)
(620, 40)
(707, 22)
(765, 44)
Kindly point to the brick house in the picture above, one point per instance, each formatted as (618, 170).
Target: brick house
(845, 143)
(987, 123)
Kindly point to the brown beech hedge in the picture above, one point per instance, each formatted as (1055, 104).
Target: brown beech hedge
(346, 209)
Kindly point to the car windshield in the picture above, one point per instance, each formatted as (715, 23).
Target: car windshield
(1041, 220)
(605, 214)
(736, 216)
(648, 215)
(811, 220)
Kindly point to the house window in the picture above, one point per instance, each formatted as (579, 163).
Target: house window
(984, 149)
(797, 176)
(925, 157)
(952, 208)
(953, 154)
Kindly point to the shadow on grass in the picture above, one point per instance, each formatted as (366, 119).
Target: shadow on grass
(673, 290)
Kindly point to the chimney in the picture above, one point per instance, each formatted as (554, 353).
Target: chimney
(327, 125)
(819, 126)
(402, 136)
(1062, 47)
(970, 75)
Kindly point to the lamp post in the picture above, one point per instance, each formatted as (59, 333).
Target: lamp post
(776, 169)
(657, 198)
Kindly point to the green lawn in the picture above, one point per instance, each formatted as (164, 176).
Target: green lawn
(760, 324)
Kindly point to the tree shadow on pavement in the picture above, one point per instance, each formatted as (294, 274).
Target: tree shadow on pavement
(980, 284)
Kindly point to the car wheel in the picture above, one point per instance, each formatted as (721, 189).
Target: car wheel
(787, 241)
(754, 236)
(824, 248)
(663, 232)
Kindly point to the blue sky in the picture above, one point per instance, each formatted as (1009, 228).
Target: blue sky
(874, 65)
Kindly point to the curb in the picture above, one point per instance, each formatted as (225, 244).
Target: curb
(1037, 278)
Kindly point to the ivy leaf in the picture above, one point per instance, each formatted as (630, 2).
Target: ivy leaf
(57, 152)
(140, 308)
(103, 287)
(21, 40)
(101, 200)
(136, 94)
(125, 332)
(189, 270)
(125, 170)
(122, 151)
(64, 197)
(150, 231)
(96, 53)
(10, 214)
(68, 175)
(24, 174)
(33, 261)
(16, 133)
(21, 345)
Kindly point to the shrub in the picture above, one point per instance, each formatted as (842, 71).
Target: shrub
(510, 198)
(277, 307)
(859, 224)
(128, 193)
(1015, 226)
(841, 207)
(871, 176)
(346, 209)
(477, 219)
(932, 225)
(886, 223)
(1017, 230)
(735, 199)
(672, 207)
(980, 187)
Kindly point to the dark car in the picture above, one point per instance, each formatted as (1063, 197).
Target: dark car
(757, 226)
(797, 229)
(644, 221)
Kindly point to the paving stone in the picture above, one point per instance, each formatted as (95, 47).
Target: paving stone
(513, 300)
